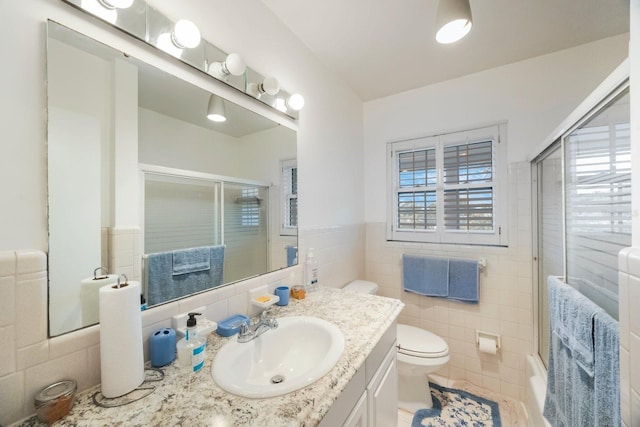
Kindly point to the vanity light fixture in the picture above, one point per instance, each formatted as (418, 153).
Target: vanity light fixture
(269, 85)
(116, 4)
(233, 65)
(185, 34)
(453, 20)
(216, 111)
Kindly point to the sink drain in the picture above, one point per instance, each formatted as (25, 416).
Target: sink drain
(277, 379)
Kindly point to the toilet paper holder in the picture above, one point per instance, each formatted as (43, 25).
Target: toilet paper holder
(490, 336)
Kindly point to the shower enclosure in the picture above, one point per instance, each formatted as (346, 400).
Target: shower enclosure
(582, 194)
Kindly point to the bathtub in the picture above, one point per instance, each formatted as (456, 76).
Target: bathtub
(535, 387)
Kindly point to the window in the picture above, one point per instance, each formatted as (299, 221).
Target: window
(289, 205)
(449, 188)
(250, 207)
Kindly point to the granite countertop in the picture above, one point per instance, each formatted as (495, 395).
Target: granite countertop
(195, 399)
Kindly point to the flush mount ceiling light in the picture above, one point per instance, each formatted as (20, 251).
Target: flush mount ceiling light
(233, 65)
(216, 111)
(269, 85)
(116, 4)
(185, 34)
(453, 20)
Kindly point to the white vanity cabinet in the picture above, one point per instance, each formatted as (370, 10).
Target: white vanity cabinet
(371, 397)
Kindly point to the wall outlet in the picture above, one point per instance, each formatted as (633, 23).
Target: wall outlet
(204, 325)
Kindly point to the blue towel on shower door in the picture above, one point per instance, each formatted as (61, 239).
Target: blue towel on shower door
(463, 280)
(425, 275)
(607, 370)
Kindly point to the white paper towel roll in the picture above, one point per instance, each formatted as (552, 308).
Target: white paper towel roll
(89, 288)
(487, 345)
(121, 357)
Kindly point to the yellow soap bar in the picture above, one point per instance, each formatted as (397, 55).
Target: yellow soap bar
(263, 299)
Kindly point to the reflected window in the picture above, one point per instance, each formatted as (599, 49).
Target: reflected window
(289, 222)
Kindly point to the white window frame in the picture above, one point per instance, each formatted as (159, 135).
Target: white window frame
(286, 229)
(498, 236)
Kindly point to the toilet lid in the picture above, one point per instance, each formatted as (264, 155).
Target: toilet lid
(417, 342)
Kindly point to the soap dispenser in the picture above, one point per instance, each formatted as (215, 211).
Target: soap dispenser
(190, 349)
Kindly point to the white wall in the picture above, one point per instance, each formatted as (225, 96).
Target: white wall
(533, 96)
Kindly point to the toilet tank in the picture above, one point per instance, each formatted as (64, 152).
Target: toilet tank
(362, 286)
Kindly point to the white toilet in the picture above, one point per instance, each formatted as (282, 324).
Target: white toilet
(420, 353)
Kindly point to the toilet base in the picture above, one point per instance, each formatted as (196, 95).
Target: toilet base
(414, 392)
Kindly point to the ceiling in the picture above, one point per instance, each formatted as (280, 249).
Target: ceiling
(383, 47)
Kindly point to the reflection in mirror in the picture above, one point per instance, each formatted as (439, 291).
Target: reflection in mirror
(136, 170)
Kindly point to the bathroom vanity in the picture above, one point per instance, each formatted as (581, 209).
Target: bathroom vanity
(361, 389)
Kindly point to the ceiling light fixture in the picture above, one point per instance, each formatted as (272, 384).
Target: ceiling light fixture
(269, 85)
(116, 4)
(185, 34)
(216, 111)
(233, 65)
(453, 20)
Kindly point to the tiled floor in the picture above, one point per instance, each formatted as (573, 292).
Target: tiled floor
(511, 411)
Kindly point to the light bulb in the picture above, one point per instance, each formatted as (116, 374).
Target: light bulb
(166, 44)
(99, 10)
(270, 86)
(233, 65)
(296, 102)
(453, 31)
(185, 34)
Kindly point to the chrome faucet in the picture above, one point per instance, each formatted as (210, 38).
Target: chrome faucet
(251, 332)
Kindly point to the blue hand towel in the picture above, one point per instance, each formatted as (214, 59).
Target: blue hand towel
(463, 280)
(581, 311)
(191, 260)
(607, 370)
(425, 275)
(292, 255)
(216, 273)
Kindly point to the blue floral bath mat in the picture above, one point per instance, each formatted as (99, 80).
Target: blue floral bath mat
(457, 408)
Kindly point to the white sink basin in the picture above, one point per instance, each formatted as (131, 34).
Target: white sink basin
(298, 353)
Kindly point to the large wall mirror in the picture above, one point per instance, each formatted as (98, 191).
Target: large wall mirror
(142, 183)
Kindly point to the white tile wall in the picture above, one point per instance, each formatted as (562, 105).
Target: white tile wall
(506, 299)
(629, 295)
(29, 360)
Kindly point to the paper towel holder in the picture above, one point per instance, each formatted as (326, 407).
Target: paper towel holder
(488, 335)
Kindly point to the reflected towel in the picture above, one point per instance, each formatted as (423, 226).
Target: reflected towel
(292, 255)
(425, 275)
(160, 285)
(191, 260)
(463, 279)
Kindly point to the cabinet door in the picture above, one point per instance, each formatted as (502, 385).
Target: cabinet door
(383, 393)
(358, 416)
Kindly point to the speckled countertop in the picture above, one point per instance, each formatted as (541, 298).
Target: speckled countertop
(195, 399)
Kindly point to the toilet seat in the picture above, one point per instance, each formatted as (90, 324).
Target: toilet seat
(419, 343)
